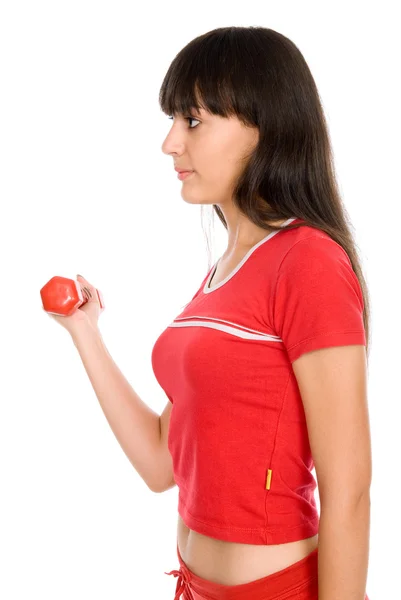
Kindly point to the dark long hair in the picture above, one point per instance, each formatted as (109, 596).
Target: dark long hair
(261, 77)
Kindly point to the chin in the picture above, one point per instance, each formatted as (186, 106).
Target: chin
(194, 199)
(191, 199)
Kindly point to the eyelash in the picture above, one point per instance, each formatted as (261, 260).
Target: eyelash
(188, 119)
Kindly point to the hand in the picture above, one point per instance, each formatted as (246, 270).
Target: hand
(84, 316)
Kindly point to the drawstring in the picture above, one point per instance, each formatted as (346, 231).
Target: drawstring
(182, 582)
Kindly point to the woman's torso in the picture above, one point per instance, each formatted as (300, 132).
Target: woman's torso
(230, 563)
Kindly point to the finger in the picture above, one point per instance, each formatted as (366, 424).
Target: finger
(88, 291)
(87, 286)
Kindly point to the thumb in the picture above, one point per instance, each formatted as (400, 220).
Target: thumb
(85, 284)
(84, 281)
(95, 296)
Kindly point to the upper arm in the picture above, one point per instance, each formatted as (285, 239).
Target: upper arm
(166, 474)
(318, 300)
(318, 310)
(333, 386)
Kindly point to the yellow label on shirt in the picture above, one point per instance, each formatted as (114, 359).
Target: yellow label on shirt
(268, 480)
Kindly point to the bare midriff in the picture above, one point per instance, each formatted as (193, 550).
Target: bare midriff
(230, 563)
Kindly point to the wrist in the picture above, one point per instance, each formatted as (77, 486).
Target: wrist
(84, 332)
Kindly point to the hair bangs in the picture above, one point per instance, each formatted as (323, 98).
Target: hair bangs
(207, 74)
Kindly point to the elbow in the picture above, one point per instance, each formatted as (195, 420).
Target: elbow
(346, 503)
(159, 489)
(155, 488)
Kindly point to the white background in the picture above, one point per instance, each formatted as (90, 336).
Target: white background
(85, 188)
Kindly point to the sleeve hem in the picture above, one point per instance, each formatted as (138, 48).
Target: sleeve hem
(326, 340)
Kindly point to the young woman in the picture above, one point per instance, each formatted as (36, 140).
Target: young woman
(265, 369)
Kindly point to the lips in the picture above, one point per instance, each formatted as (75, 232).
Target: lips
(183, 170)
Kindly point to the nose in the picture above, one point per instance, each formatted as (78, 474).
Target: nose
(174, 142)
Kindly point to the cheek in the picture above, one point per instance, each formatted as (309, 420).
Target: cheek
(217, 175)
(224, 171)
(219, 162)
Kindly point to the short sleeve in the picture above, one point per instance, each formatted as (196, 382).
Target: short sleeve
(318, 300)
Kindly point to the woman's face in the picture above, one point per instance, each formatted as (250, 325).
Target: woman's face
(215, 148)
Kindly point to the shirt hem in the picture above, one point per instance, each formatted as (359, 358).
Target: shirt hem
(261, 535)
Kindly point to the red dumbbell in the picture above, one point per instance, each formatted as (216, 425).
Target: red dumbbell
(63, 296)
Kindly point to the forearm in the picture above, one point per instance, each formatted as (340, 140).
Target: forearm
(343, 551)
(135, 425)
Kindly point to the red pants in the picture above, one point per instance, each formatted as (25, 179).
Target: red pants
(296, 582)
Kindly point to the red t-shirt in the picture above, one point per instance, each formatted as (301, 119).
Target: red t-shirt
(238, 435)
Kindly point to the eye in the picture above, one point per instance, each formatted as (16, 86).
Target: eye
(188, 119)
